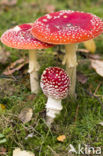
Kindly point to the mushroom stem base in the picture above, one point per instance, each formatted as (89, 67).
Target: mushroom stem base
(33, 71)
(70, 60)
(53, 108)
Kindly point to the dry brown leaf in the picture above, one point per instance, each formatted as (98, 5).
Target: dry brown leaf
(2, 151)
(83, 50)
(98, 66)
(33, 4)
(19, 152)
(54, 153)
(90, 45)
(50, 8)
(26, 115)
(30, 97)
(4, 55)
(70, 154)
(61, 138)
(15, 66)
(95, 56)
(6, 87)
(8, 2)
(29, 136)
(82, 78)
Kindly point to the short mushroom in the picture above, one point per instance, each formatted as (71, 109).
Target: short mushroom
(69, 28)
(20, 37)
(55, 85)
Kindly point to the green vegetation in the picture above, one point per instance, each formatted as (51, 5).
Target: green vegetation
(79, 119)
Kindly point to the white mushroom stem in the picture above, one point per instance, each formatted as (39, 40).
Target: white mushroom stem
(70, 60)
(53, 107)
(33, 71)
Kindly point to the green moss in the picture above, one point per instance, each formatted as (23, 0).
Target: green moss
(79, 118)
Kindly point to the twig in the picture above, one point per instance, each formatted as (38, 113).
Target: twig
(92, 95)
(97, 88)
(76, 114)
(83, 50)
(54, 153)
(41, 149)
(8, 77)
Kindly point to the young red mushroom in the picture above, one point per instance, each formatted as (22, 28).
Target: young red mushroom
(55, 85)
(69, 28)
(20, 37)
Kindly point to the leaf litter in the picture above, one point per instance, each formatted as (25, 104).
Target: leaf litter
(26, 115)
(15, 66)
(82, 78)
(4, 55)
(19, 152)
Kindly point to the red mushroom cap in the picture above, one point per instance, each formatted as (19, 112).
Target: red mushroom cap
(20, 37)
(55, 83)
(66, 27)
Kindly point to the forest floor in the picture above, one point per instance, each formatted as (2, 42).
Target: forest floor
(79, 120)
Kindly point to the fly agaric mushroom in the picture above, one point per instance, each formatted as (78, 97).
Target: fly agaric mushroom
(20, 37)
(69, 28)
(55, 85)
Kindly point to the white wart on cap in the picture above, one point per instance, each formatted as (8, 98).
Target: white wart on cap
(66, 26)
(20, 37)
(55, 83)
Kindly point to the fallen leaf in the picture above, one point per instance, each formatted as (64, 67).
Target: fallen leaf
(90, 45)
(7, 87)
(19, 152)
(2, 151)
(94, 56)
(53, 152)
(26, 115)
(29, 136)
(30, 97)
(33, 4)
(71, 154)
(4, 55)
(61, 138)
(83, 50)
(98, 66)
(15, 66)
(50, 8)
(8, 2)
(2, 107)
(81, 78)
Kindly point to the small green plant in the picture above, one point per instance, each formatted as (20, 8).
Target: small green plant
(2, 139)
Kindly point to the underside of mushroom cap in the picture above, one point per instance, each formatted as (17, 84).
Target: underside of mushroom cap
(66, 26)
(20, 37)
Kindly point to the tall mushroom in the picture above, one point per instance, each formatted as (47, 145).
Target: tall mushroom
(69, 28)
(20, 37)
(55, 85)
